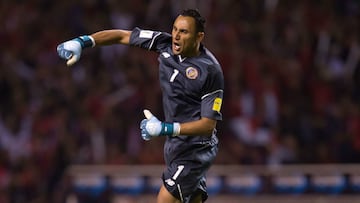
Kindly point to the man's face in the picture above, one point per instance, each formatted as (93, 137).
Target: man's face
(185, 39)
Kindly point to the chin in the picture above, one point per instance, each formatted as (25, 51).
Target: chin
(176, 52)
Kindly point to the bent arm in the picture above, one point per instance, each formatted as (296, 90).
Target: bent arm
(204, 126)
(109, 37)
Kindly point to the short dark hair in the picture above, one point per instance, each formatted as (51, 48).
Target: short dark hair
(199, 20)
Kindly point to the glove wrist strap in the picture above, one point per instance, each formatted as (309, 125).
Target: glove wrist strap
(86, 41)
(170, 129)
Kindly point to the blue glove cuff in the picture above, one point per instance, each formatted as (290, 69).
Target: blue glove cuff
(167, 129)
(170, 129)
(85, 41)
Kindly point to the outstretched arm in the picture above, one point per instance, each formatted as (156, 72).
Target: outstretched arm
(109, 37)
(71, 50)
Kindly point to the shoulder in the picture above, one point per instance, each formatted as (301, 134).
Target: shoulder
(209, 62)
(150, 39)
(149, 34)
(214, 73)
(210, 56)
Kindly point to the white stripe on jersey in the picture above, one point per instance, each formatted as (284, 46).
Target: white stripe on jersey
(214, 92)
(180, 193)
(211, 56)
(153, 39)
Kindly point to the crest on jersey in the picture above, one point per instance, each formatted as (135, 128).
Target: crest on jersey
(191, 73)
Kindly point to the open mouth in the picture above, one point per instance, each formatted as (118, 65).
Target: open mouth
(176, 46)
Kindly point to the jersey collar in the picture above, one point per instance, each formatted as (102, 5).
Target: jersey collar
(181, 59)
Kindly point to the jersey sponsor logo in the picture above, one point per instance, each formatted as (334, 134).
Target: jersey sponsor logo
(217, 104)
(147, 34)
(191, 73)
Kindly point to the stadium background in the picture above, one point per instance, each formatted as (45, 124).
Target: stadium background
(291, 96)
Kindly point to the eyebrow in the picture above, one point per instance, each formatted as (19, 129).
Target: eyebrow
(181, 29)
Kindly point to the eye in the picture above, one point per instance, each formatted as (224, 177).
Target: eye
(184, 31)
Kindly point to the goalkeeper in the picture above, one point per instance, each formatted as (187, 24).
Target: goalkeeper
(192, 83)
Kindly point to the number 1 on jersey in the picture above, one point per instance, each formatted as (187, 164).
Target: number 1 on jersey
(176, 72)
(180, 168)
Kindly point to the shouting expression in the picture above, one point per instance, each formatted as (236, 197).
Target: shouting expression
(185, 39)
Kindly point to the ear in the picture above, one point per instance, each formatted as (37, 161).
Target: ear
(200, 36)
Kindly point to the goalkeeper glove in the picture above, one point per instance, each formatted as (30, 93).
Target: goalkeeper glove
(152, 127)
(71, 50)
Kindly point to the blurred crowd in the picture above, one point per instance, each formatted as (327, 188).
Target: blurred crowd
(291, 74)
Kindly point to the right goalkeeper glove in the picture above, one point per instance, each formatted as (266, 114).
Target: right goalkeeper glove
(71, 50)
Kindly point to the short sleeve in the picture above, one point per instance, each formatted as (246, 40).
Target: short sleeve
(213, 95)
(149, 39)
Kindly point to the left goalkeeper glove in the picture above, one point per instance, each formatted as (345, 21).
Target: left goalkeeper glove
(152, 127)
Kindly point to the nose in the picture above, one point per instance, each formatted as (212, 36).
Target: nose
(177, 36)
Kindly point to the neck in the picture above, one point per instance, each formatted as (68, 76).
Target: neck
(194, 53)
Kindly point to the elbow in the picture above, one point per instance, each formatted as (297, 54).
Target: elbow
(209, 127)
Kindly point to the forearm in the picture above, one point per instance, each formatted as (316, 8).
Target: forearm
(109, 37)
(204, 126)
